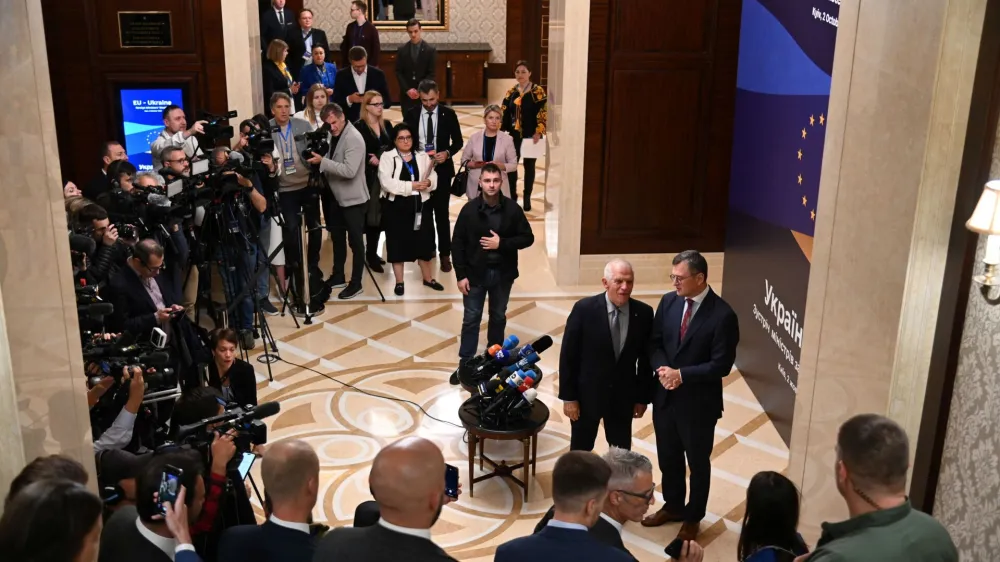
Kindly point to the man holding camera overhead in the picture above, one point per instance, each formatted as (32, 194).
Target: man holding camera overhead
(176, 133)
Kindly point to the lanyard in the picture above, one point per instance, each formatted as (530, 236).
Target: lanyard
(286, 141)
(409, 166)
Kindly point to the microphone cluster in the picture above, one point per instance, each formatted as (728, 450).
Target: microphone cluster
(504, 379)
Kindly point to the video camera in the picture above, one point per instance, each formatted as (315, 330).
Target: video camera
(214, 129)
(316, 141)
(260, 139)
(246, 421)
(110, 356)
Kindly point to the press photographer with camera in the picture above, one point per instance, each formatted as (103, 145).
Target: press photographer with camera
(110, 252)
(176, 134)
(296, 195)
(344, 169)
(119, 434)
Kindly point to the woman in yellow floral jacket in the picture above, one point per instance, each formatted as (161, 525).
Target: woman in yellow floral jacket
(524, 116)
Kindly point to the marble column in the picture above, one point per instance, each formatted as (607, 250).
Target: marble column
(902, 83)
(241, 30)
(43, 404)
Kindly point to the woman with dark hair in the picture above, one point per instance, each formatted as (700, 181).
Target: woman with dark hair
(51, 467)
(769, 524)
(231, 376)
(524, 117)
(407, 178)
(276, 76)
(52, 521)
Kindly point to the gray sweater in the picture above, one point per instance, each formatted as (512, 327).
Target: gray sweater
(345, 170)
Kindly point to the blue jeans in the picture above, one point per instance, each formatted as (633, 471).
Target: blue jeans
(499, 294)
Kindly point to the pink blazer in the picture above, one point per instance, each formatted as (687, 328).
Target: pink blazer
(504, 151)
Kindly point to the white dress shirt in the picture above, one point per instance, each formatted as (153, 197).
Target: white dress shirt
(421, 533)
(304, 527)
(422, 134)
(360, 80)
(618, 526)
(307, 38)
(565, 525)
(188, 144)
(169, 546)
(280, 16)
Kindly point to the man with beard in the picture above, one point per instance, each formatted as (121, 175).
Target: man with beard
(407, 479)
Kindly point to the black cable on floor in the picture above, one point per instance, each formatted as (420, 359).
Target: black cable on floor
(362, 391)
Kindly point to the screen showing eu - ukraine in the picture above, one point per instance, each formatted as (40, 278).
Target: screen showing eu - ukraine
(142, 121)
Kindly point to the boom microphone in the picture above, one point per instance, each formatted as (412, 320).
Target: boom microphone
(262, 411)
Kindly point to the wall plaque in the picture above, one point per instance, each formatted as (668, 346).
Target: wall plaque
(145, 29)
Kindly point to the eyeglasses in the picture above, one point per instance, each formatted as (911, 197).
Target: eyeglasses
(678, 278)
(402, 138)
(156, 269)
(647, 496)
(379, 104)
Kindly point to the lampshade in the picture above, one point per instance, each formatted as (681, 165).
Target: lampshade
(986, 218)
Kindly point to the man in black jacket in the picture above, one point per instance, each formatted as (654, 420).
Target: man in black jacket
(604, 370)
(111, 151)
(274, 24)
(353, 81)
(290, 471)
(440, 136)
(414, 63)
(301, 41)
(488, 233)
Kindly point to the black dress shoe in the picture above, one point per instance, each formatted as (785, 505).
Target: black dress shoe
(433, 284)
(375, 264)
(336, 281)
(527, 204)
(350, 292)
(398, 289)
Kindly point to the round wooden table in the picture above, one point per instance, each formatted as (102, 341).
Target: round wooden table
(525, 430)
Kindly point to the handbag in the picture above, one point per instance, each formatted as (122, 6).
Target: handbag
(461, 180)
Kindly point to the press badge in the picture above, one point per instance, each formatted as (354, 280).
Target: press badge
(289, 166)
(417, 220)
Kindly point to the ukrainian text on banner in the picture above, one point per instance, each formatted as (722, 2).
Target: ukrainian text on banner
(783, 89)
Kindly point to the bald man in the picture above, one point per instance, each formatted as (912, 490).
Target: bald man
(604, 371)
(407, 479)
(290, 471)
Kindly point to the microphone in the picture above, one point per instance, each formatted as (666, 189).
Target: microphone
(155, 359)
(99, 309)
(265, 410)
(527, 362)
(262, 411)
(526, 402)
(513, 382)
(510, 342)
(540, 345)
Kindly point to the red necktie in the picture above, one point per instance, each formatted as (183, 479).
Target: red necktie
(687, 317)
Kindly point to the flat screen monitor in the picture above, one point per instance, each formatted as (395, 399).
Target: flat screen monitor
(142, 120)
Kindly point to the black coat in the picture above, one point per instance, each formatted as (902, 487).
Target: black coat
(274, 81)
(469, 257)
(270, 29)
(553, 544)
(374, 144)
(96, 186)
(266, 543)
(533, 112)
(602, 530)
(344, 86)
(297, 48)
(588, 371)
(707, 354)
(409, 73)
(242, 381)
(447, 136)
(376, 544)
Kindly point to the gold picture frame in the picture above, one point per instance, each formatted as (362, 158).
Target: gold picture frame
(170, 28)
(441, 23)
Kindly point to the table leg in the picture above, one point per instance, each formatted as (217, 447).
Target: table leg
(482, 452)
(527, 470)
(534, 452)
(472, 465)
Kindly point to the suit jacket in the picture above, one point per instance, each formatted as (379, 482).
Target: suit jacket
(274, 81)
(134, 311)
(266, 543)
(367, 514)
(297, 48)
(344, 86)
(345, 168)
(242, 381)
(588, 370)
(410, 72)
(447, 136)
(504, 150)
(96, 186)
(369, 40)
(555, 543)
(270, 29)
(376, 544)
(602, 530)
(121, 540)
(707, 353)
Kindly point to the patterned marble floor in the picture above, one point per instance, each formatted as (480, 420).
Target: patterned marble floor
(407, 347)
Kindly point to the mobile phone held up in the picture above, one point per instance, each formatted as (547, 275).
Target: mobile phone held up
(451, 481)
(170, 486)
(674, 549)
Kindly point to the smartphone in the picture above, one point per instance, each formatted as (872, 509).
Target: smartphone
(674, 549)
(170, 486)
(451, 481)
(245, 464)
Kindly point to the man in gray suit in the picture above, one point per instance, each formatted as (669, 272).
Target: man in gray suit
(345, 172)
(407, 479)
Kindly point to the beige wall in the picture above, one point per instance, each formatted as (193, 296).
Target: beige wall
(241, 34)
(902, 82)
(45, 381)
(471, 21)
(968, 487)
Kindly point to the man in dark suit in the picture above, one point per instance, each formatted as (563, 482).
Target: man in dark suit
(353, 81)
(360, 33)
(111, 151)
(301, 41)
(407, 477)
(630, 492)
(579, 488)
(143, 532)
(290, 471)
(414, 63)
(142, 298)
(274, 24)
(440, 136)
(604, 370)
(692, 346)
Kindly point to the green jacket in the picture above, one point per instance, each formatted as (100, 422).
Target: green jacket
(890, 535)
